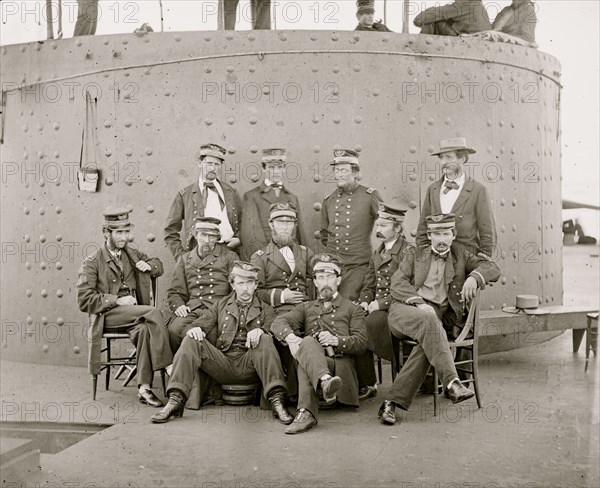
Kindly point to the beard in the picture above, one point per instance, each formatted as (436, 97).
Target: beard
(282, 240)
(326, 293)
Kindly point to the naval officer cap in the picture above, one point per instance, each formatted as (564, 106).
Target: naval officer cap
(454, 144)
(207, 225)
(441, 221)
(345, 156)
(283, 211)
(117, 218)
(327, 263)
(244, 269)
(392, 214)
(213, 150)
(275, 155)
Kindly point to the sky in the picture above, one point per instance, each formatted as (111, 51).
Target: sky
(567, 29)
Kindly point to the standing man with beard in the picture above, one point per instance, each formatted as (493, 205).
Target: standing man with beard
(375, 298)
(114, 285)
(323, 335)
(208, 197)
(231, 343)
(461, 195)
(431, 290)
(201, 277)
(347, 219)
(255, 230)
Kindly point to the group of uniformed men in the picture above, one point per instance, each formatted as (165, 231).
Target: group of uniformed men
(301, 324)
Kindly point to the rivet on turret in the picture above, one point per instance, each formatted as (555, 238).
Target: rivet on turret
(412, 149)
(317, 206)
(430, 121)
(253, 120)
(358, 119)
(151, 237)
(413, 204)
(337, 119)
(59, 265)
(208, 121)
(59, 293)
(231, 120)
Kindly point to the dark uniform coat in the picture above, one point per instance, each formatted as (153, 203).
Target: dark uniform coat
(98, 287)
(379, 276)
(189, 204)
(275, 276)
(197, 282)
(346, 321)
(347, 220)
(255, 232)
(475, 224)
(461, 264)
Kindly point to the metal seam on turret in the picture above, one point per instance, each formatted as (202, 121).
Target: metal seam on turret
(311, 51)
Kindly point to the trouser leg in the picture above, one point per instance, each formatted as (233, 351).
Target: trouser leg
(409, 380)
(264, 359)
(178, 327)
(87, 18)
(427, 330)
(352, 282)
(230, 7)
(365, 369)
(149, 335)
(262, 14)
(312, 365)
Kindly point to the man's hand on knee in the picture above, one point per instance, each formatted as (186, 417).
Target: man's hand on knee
(182, 311)
(253, 338)
(196, 333)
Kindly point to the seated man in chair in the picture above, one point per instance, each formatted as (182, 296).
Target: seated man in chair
(323, 335)
(430, 290)
(230, 342)
(115, 284)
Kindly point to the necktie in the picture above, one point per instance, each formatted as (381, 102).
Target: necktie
(450, 185)
(440, 257)
(210, 186)
(118, 260)
(243, 308)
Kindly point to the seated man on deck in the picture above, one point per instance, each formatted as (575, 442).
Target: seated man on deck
(231, 343)
(431, 289)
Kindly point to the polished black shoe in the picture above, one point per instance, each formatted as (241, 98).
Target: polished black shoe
(147, 397)
(304, 421)
(173, 408)
(365, 392)
(387, 412)
(330, 387)
(278, 408)
(457, 392)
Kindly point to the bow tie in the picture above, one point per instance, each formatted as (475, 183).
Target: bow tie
(277, 186)
(441, 257)
(210, 185)
(450, 185)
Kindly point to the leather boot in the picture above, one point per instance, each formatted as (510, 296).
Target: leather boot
(173, 408)
(281, 413)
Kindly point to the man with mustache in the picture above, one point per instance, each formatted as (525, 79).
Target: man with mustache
(201, 276)
(464, 197)
(323, 335)
(255, 230)
(231, 343)
(431, 290)
(375, 296)
(114, 285)
(208, 197)
(347, 219)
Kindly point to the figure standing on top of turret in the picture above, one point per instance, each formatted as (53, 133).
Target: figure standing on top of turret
(518, 19)
(454, 19)
(87, 18)
(261, 14)
(365, 10)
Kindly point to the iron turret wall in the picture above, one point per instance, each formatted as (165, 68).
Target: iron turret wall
(157, 97)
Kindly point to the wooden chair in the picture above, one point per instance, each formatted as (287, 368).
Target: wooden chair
(128, 362)
(467, 341)
(591, 337)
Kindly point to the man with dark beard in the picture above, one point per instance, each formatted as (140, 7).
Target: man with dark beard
(323, 335)
(431, 290)
(201, 277)
(114, 285)
(347, 219)
(375, 296)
